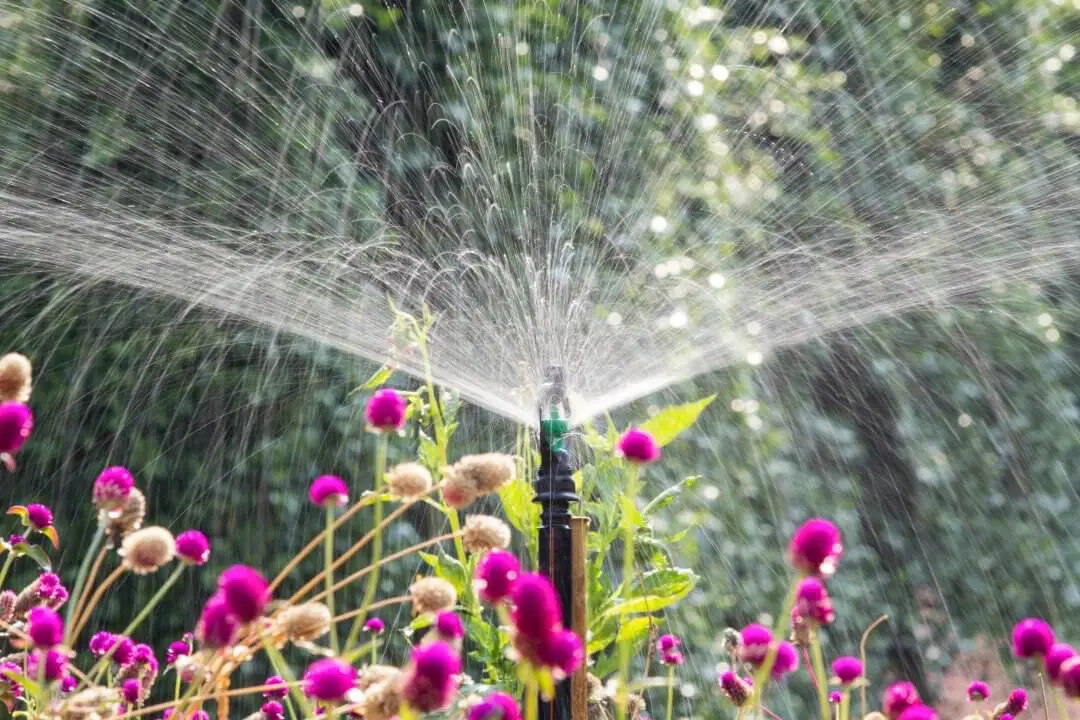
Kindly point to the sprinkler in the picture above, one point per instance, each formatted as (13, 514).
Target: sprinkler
(555, 492)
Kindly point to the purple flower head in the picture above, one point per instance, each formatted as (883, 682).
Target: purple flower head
(375, 626)
(812, 601)
(497, 706)
(46, 627)
(68, 683)
(176, 650)
(431, 678)
(39, 516)
(672, 657)
(328, 680)
(1069, 676)
(16, 424)
(899, 697)
(919, 712)
(278, 689)
(835, 697)
(193, 547)
(1005, 716)
(448, 626)
(16, 539)
(272, 710)
(734, 688)
(217, 626)
(385, 410)
(638, 446)
(328, 490)
(1032, 637)
(125, 650)
(144, 655)
(978, 691)
(496, 574)
(755, 643)
(245, 590)
(200, 715)
(848, 669)
(131, 690)
(563, 652)
(55, 664)
(1017, 701)
(667, 642)
(535, 607)
(787, 660)
(7, 668)
(1059, 653)
(815, 548)
(112, 487)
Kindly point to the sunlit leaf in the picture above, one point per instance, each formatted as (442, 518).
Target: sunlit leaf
(380, 378)
(634, 630)
(37, 554)
(675, 583)
(668, 496)
(644, 604)
(670, 422)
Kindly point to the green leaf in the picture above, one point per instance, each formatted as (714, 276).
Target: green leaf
(37, 554)
(521, 511)
(379, 378)
(449, 569)
(644, 604)
(634, 630)
(29, 685)
(674, 583)
(668, 496)
(670, 422)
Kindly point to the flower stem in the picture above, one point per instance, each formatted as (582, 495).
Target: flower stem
(819, 670)
(374, 649)
(80, 579)
(328, 557)
(282, 668)
(845, 705)
(532, 700)
(862, 659)
(162, 591)
(376, 548)
(670, 691)
(628, 527)
(761, 677)
(94, 600)
(7, 566)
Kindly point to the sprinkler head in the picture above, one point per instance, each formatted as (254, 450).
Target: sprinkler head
(553, 409)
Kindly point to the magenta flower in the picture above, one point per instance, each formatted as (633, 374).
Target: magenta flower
(1032, 637)
(978, 691)
(787, 660)
(847, 669)
(448, 626)
(535, 610)
(836, 697)
(217, 627)
(375, 626)
(131, 690)
(245, 590)
(899, 697)
(1005, 716)
(1017, 701)
(16, 539)
(735, 688)
(144, 655)
(46, 627)
(495, 576)
(638, 446)
(328, 680)
(272, 710)
(672, 657)
(563, 652)
(200, 715)
(328, 490)
(55, 664)
(68, 683)
(812, 601)
(193, 547)
(385, 411)
(39, 516)
(667, 642)
(176, 650)
(815, 548)
(1059, 653)
(1069, 676)
(7, 668)
(919, 712)
(16, 424)
(497, 706)
(278, 687)
(431, 678)
(112, 487)
(755, 643)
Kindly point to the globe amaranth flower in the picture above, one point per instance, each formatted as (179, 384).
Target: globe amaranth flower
(16, 424)
(217, 626)
(535, 608)
(448, 626)
(306, 622)
(272, 710)
(176, 650)
(52, 663)
(497, 706)
(131, 691)
(385, 411)
(1069, 677)
(815, 548)
(375, 626)
(278, 689)
(836, 697)
(46, 628)
(812, 601)
(68, 683)
(495, 576)
(431, 678)
(192, 547)
(486, 472)
(16, 539)
(787, 660)
(847, 669)
(1059, 653)
(734, 688)
(898, 697)
(432, 595)
(918, 712)
(245, 590)
(328, 490)
(978, 691)
(1017, 702)
(667, 642)
(122, 647)
(148, 550)
(756, 640)
(638, 446)
(672, 657)
(328, 680)
(1032, 638)
(409, 480)
(562, 652)
(112, 488)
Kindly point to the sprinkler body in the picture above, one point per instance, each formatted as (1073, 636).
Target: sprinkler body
(555, 493)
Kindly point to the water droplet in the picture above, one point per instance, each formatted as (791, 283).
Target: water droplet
(754, 357)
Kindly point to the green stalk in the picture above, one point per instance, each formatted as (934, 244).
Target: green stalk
(328, 556)
(376, 548)
(374, 649)
(845, 705)
(84, 570)
(819, 670)
(7, 566)
(670, 691)
(282, 669)
(532, 700)
(628, 527)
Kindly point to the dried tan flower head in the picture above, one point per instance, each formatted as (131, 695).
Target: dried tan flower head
(15, 372)
(94, 702)
(7, 605)
(458, 490)
(371, 675)
(635, 706)
(148, 550)
(432, 595)
(484, 533)
(875, 716)
(130, 517)
(307, 622)
(409, 480)
(381, 700)
(487, 472)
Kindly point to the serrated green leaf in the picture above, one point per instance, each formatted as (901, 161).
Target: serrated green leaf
(670, 422)
(668, 496)
(380, 378)
(675, 583)
(37, 554)
(449, 569)
(519, 508)
(634, 630)
(643, 604)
